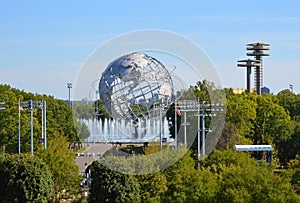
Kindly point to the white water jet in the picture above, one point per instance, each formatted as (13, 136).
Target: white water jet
(121, 131)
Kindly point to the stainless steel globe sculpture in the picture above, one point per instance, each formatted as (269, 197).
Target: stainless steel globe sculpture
(134, 87)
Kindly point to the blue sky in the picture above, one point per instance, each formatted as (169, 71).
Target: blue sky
(43, 44)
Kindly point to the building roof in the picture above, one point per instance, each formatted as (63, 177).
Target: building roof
(253, 147)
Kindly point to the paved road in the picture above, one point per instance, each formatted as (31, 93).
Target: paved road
(92, 153)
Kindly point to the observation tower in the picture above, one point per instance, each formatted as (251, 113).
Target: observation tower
(249, 64)
(257, 50)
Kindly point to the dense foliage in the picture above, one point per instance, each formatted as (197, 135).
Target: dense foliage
(225, 176)
(61, 133)
(59, 120)
(111, 186)
(61, 162)
(263, 119)
(228, 176)
(24, 178)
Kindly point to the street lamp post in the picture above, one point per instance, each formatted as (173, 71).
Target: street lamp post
(19, 126)
(160, 125)
(31, 125)
(175, 126)
(292, 88)
(198, 133)
(203, 127)
(69, 86)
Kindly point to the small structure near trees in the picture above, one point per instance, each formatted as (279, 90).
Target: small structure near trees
(250, 148)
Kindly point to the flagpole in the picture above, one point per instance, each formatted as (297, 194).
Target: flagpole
(19, 126)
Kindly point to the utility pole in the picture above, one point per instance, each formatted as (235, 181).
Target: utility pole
(31, 106)
(206, 109)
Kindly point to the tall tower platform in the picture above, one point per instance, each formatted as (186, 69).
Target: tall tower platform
(249, 64)
(258, 52)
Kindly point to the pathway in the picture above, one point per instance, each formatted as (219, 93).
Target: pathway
(93, 152)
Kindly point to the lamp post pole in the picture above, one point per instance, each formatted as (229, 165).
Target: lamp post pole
(19, 127)
(45, 124)
(292, 88)
(31, 125)
(69, 86)
(176, 136)
(198, 133)
(185, 124)
(203, 127)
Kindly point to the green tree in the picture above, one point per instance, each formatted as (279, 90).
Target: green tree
(241, 111)
(290, 102)
(203, 186)
(240, 179)
(84, 111)
(294, 171)
(272, 124)
(111, 186)
(9, 124)
(82, 130)
(259, 119)
(101, 111)
(229, 137)
(288, 149)
(8, 120)
(153, 186)
(25, 178)
(178, 179)
(59, 119)
(185, 184)
(61, 162)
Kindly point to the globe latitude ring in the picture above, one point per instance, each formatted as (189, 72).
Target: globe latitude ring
(160, 41)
